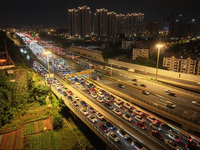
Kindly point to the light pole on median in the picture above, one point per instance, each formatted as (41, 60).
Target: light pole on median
(158, 46)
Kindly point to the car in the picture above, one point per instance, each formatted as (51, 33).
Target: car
(143, 85)
(70, 98)
(172, 144)
(100, 94)
(100, 77)
(108, 105)
(135, 80)
(113, 136)
(121, 86)
(59, 90)
(96, 78)
(123, 134)
(172, 94)
(103, 127)
(130, 112)
(168, 91)
(152, 119)
(170, 105)
(92, 118)
(107, 98)
(94, 95)
(93, 90)
(127, 117)
(119, 101)
(156, 134)
(141, 125)
(83, 103)
(100, 99)
(109, 125)
(191, 146)
(115, 110)
(75, 103)
(64, 93)
(135, 84)
(88, 91)
(100, 116)
(154, 125)
(70, 92)
(137, 145)
(145, 92)
(91, 109)
(75, 97)
(84, 111)
(118, 105)
(196, 103)
(139, 118)
(127, 105)
(83, 88)
(172, 135)
(138, 112)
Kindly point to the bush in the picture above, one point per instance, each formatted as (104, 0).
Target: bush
(57, 122)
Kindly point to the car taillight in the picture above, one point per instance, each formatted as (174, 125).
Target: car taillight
(186, 145)
(178, 140)
(190, 140)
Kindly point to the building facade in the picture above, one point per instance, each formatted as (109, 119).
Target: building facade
(171, 63)
(127, 44)
(137, 52)
(188, 66)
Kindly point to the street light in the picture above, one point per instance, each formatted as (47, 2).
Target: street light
(158, 46)
(47, 53)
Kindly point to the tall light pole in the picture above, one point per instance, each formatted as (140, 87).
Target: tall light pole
(158, 46)
(47, 53)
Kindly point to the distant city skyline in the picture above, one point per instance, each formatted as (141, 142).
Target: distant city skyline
(54, 14)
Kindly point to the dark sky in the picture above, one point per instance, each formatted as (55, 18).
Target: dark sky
(53, 13)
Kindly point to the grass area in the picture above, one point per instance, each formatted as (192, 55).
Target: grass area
(11, 141)
(29, 129)
(46, 140)
(40, 123)
(19, 139)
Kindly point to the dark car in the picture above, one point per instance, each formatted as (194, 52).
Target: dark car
(130, 112)
(70, 98)
(83, 103)
(121, 86)
(135, 80)
(109, 125)
(172, 94)
(156, 134)
(108, 105)
(103, 128)
(65, 93)
(143, 85)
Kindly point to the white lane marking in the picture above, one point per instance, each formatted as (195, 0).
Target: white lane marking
(126, 143)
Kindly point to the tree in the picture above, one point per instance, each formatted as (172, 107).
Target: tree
(57, 122)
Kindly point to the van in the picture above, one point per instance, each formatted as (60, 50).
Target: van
(170, 105)
(172, 135)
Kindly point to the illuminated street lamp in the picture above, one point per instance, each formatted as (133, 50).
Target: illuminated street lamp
(158, 46)
(47, 53)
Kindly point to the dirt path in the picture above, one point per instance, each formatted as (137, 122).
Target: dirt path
(5, 141)
(15, 139)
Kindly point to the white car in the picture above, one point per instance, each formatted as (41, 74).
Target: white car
(127, 105)
(138, 112)
(94, 95)
(75, 97)
(118, 100)
(117, 111)
(92, 118)
(152, 119)
(137, 145)
(139, 118)
(196, 103)
(154, 125)
(118, 105)
(127, 117)
(84, 111)
(100, 116)
(122, 133)
(100, 99)
(172, 144)
(113, 136)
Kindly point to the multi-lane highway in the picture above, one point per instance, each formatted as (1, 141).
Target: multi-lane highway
(129, 90)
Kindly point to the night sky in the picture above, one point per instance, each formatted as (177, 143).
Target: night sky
(53, 13)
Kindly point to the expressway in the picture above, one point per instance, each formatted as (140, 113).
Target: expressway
(114, 85)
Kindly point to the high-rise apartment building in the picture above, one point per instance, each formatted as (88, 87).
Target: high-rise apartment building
(79, 21)
(198, 68)
(188, 66)
(120, 23)
(171, 63)
(112, 26)
(101, 22)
